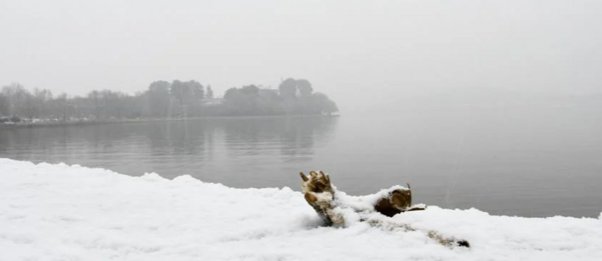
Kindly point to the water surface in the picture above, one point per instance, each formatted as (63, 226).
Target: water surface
(536, 162)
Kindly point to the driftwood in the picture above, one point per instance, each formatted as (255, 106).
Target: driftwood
(320, 194)
(322, 197)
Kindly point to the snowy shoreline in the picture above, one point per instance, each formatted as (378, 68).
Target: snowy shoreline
(61, 212)
(40, 123)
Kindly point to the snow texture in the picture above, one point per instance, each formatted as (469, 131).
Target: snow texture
(61, 212)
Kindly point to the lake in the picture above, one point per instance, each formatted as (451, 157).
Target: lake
(542, 161)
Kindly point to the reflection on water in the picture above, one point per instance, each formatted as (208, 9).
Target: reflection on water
(529, 162)
(239, 152)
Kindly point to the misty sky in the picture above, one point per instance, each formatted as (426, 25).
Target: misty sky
(355, 51)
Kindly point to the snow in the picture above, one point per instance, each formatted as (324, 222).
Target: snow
(366, 202)
(61, 212)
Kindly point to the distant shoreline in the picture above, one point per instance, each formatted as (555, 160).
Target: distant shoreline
(83, 122)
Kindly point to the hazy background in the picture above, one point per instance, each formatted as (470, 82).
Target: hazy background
(486, 104)
(367, 55)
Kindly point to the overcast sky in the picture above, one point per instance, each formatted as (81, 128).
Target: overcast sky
(352, 50)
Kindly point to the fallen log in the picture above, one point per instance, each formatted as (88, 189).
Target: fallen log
(323, 197)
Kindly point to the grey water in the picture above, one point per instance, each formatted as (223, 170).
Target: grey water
(528, 162)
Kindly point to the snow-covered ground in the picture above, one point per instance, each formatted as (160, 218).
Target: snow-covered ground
(61, 212)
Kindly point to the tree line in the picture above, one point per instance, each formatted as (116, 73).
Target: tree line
(163, 99)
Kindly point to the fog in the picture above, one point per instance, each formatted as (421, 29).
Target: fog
(366, 55)
(487, 104)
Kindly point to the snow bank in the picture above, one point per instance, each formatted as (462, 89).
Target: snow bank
(61, 212)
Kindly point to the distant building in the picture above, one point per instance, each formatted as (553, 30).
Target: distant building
(213, 101)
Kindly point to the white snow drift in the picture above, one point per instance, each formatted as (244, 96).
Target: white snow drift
(61, 212)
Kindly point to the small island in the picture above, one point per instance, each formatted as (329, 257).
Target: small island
(162, 100)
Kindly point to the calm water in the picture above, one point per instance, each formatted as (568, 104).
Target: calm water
(536, 162)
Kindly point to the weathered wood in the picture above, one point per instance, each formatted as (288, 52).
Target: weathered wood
(320, 194)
